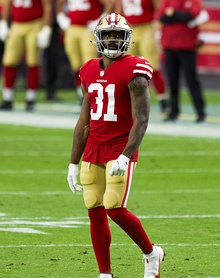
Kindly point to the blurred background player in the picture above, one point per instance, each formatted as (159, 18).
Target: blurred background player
(140, 15)
(78, 19)
(1, 42)
(30, 31)
(180, 42)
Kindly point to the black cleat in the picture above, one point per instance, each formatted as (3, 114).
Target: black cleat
(30, 105)
(171, 118)
(200, 119)
(6, 105)
(164, 105)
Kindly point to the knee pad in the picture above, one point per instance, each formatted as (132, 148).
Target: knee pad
(115, 191)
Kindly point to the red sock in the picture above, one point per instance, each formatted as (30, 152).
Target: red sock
(101, 237)
(132, 226)
(158, 82)
(33, 77)
(9, 76)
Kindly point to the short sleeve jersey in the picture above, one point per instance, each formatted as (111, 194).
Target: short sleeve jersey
(138, 12)
(109, 97)
(24, 11)
(82, 11)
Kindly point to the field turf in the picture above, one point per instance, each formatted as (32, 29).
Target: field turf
(44, 230)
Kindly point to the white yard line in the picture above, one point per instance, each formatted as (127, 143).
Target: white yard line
(113, 244)
(68, 121)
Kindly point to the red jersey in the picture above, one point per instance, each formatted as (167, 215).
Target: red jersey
(138, 12)
(24, 11)
(82, 11)
(178, 35)
(110, 105)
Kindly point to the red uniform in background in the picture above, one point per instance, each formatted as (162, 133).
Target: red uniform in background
(30, 31)
(140, 15)
(81, 14)
(27, 13)
(179, 41)
(78, 18)
(188, 37)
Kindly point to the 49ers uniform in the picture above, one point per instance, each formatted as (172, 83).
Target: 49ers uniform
(27, 22)
(140, 15)
(77, 37)
(1, 43)
(110, 123)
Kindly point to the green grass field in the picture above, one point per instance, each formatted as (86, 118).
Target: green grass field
(44, 229)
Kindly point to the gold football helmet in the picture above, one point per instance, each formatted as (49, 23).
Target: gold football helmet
(113, 35)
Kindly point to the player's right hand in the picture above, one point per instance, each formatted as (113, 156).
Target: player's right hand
(72, 178)
(63, 21)
(4, 30)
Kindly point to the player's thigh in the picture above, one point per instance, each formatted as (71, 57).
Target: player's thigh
(88, 49)
(32, 50)
(92, 178)
(118, 187)
(72, 47)
(148, 46)
(14, 46)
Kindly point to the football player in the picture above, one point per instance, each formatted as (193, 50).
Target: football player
(30, 31)
(140, 14)
(1, 42)
(78, 22)
(109, 131)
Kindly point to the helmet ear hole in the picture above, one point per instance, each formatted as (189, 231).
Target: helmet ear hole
(109, 23)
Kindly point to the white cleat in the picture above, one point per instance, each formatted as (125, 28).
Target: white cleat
(152, 262)
(105, 275)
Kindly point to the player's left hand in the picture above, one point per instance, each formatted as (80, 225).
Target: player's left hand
(92, 24)
(4, 30)
(72, 178)
(44, 37)
(119, 166)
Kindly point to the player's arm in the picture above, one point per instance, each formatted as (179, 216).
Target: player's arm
(48, 12)
(140, 101)
(140, 104)
(44, 36)
(5, 18)
(59, 5)
(118, 8)
(79, 141)
(108, 6)
(6, 10)
(156, 3)
(81, 130)
(62, 19)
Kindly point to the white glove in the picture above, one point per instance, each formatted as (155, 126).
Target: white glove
(63, 21)
(91, 24)
(4, 30)
(72, 177)
(119, 166)
(200, 19)
(44, 37)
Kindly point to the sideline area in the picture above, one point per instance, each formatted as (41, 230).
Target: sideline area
(58, 115)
